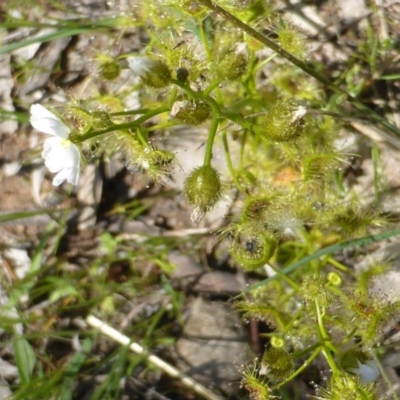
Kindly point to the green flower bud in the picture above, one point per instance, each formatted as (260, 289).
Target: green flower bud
(101, 120)
(191, 112)
(313, 288)
(284, 122)
(194, 8)
(153, 73)
(252, 246)
(78, 119)
(203, 189)
(109, 70)
(278, 364)
(231, 64)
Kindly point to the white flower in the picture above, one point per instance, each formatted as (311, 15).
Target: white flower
(60, 155)
(140, 65)
(367, 371)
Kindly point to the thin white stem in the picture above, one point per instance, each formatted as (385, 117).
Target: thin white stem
(164, 366)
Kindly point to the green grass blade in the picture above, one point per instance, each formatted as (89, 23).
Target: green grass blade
(73, 369)
(25, 359)
(364, 241)
(61, 31)
(14, 216)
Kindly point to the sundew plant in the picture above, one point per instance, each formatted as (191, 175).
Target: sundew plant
(244, 74)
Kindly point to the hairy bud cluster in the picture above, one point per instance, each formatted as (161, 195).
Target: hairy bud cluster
(284, 122)
(153, 73)
(203, 189)
(109, 70)
(278, 364)
(232, 62)
(191, 112)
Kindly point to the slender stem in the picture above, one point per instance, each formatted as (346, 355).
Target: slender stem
(328, 347)
(211, 87)
(337, 264)
(229, 161)
(210, 58)
(210, 140)
(172, 97)
(300, 64)
(126, 125)
(130, 112)
(301, 353)
(140, 136)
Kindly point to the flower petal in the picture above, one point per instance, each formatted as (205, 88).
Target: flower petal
(45, 121)
(71, 175)
(62, 156)
(367, 371)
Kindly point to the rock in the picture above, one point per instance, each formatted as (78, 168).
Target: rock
(213, 344)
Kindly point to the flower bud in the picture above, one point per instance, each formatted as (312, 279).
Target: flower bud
(190, 112)
(252, 246)
(284, 122)
(313, 288)
(78, 119)
(232, 63)
(154, 73)
(203, 189)
(109, 70)
(101, 120)
(194, 8)
(278, 364)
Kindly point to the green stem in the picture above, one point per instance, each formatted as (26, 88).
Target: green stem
(141, 138)
(211, 87)
(229, 161)
(127, 125)
(130, 112)
(298, 63)
(210, 58)
(328, 346)
(210, 140)
(301, 353)
(337, 264)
